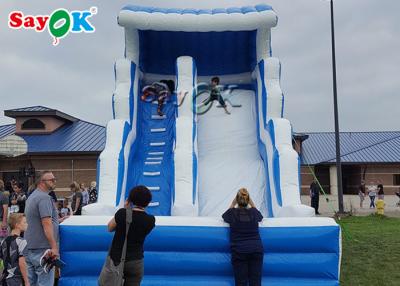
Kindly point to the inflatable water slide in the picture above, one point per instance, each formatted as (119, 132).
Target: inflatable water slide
(195, 163)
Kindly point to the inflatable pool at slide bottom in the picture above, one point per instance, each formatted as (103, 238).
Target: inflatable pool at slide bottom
(194, 251)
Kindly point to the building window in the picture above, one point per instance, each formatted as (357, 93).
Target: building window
(396, 179)
(33, 124)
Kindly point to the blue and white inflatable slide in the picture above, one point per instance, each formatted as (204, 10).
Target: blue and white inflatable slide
(194, 164)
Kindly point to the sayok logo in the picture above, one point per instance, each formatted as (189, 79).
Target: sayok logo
(59, 23)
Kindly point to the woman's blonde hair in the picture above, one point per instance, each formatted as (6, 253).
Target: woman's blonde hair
(1, 185)
(243, 197)
(14, 219)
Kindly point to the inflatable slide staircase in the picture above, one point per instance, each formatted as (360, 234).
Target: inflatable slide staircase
(153, 162)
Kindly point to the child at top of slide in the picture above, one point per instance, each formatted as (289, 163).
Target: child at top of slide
(160, 90)
(215, 94)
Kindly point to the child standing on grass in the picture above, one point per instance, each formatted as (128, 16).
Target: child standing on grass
(13, 253)
(380, 207)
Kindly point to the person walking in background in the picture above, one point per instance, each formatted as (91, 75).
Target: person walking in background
(247, 251)
(142, 224)
(381, 194)
(13, 251)
(361, 193)
(372, 194)
(85, 194)
(314, 195)
(17, 199)
(30, 190)
(66, 210)
(92, 193)
(76, 199)
(53, 196)
(4, 200)
(42, 232)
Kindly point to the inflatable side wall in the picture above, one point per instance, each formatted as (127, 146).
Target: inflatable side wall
(282, 162)
(120, 136)
(195, 251)
(185, 202)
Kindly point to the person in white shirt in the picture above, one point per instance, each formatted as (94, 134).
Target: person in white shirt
(372, 194)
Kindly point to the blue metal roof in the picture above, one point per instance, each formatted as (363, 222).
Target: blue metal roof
(243, 10)
(79, 136)
(6, 130)
(356, 147)
(37, 108)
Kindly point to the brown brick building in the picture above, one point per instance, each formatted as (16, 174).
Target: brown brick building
(70, 147)
(370, 156)
(54, 141)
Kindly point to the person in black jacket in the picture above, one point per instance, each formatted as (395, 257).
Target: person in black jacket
(142, 224)
(381, 194)
(92, 193)
(314, 194)
(17, 198)
(247, 251)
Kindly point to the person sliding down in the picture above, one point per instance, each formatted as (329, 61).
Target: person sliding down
(215, 94)
(159, 90)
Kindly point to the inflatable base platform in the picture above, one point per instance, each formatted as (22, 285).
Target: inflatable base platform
(193, 251)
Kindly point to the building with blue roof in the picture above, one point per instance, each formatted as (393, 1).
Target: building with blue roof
(55, 141)
(368, 156)
(70, 147)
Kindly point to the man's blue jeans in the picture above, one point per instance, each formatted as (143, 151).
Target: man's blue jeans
(36, 274)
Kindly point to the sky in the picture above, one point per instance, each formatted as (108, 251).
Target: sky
(77, 76)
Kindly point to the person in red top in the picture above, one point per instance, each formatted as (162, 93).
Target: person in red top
(246, 246)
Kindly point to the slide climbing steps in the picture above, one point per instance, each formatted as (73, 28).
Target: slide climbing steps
(153, 159)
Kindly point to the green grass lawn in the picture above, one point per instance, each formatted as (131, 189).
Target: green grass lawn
(371, 251)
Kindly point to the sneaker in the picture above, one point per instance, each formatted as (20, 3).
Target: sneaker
(44, 258)
(46, 261)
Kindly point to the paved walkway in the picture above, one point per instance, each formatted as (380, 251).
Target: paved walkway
(352, 204)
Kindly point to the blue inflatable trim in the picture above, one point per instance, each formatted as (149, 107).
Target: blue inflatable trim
(204, 250)
(261, 66)
(216, 53)
(290, 239)
(230, 10)
(261, 146)
(131, 92)
(121, 162)
(276, 165)
(194, 133)
(277, 177)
